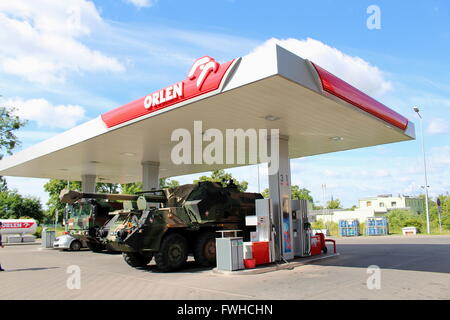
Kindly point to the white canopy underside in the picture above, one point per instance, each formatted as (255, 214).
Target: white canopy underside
(309, 117)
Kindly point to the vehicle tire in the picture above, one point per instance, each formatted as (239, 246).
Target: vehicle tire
(75, 245)
(136, 259)
(324, 250)
(173, 252)
(205, 249)
(95, 247)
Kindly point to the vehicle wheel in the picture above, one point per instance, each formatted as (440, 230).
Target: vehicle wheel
(95, 247)
(324, 250)
(136, 259)
(75, 245)
(205, 249)
(173, 252)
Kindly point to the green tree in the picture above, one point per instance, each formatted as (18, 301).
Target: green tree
(297, 193)
(399, 219)
(223, 178)
(54, 187)
(334, 204)
(9, 123)
(3, 185)
(445, 213)
(167, 183)
(301, 194)
(14, 206)
(107, 188)
(132, 188)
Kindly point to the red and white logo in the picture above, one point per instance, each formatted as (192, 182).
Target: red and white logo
(201, 69)
(206, 75)
(17, 225)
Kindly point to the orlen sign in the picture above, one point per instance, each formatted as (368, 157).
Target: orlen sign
(205, 76)
(18, 226)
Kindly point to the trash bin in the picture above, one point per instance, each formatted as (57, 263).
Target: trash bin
(230, 253)
(48, 238)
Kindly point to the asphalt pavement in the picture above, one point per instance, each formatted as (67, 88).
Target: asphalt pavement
(416, 267)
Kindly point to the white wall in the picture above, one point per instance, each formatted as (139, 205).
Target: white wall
(377, 203)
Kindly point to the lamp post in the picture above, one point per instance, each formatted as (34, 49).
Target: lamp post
(416, 109)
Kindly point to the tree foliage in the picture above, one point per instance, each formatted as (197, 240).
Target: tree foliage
(301, 194)
(399, 219)
(132, 188)
(334, 204)
(107, 188)
(9, 123)
(223, 178)
(297, 193)
(15, 206)
(54, 187)
(3, 185)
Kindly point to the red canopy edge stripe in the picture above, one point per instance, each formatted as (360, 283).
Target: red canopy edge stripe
(346, 92)
(136, 109)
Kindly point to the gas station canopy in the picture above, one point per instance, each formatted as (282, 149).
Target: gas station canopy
(272, 89)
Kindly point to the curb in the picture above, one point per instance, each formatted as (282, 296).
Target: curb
(276, 267)
(22, 244)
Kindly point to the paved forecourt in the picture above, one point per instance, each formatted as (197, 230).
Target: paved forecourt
(411, 268)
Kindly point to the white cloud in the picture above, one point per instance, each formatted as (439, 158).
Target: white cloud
(142, 3)
(48, 115)
(440, 158)
(43, 39)
(438, 126)
(354, 70)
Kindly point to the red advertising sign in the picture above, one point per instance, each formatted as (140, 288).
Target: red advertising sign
(346, 92)
(205, 76)
(17, 225)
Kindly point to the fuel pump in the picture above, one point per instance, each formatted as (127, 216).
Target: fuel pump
(301, 228)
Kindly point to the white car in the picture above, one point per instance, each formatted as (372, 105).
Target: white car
(68, 242)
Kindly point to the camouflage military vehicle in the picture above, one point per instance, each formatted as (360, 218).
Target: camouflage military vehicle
(87, 213)
(184, 222)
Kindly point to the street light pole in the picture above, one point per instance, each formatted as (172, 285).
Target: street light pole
(416, 109)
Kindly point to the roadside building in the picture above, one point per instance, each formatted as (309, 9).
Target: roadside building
(372, 207)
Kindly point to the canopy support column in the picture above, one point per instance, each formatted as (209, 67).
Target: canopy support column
(88, 183)
(280, 195)
(150, 175)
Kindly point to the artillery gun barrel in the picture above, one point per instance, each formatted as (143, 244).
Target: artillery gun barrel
(70, 196)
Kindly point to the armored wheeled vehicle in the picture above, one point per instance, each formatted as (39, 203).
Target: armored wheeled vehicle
(185, 221)
(85, 215)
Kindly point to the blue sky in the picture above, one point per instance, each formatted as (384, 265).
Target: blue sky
(67, 62)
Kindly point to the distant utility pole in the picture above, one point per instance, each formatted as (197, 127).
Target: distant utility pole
(416, 109)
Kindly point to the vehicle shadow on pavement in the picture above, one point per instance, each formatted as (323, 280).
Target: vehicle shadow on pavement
(189, 267)
(408, 257)
(30, 269)
(108, 252)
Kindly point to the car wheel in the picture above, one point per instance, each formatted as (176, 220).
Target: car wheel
(75, 245)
